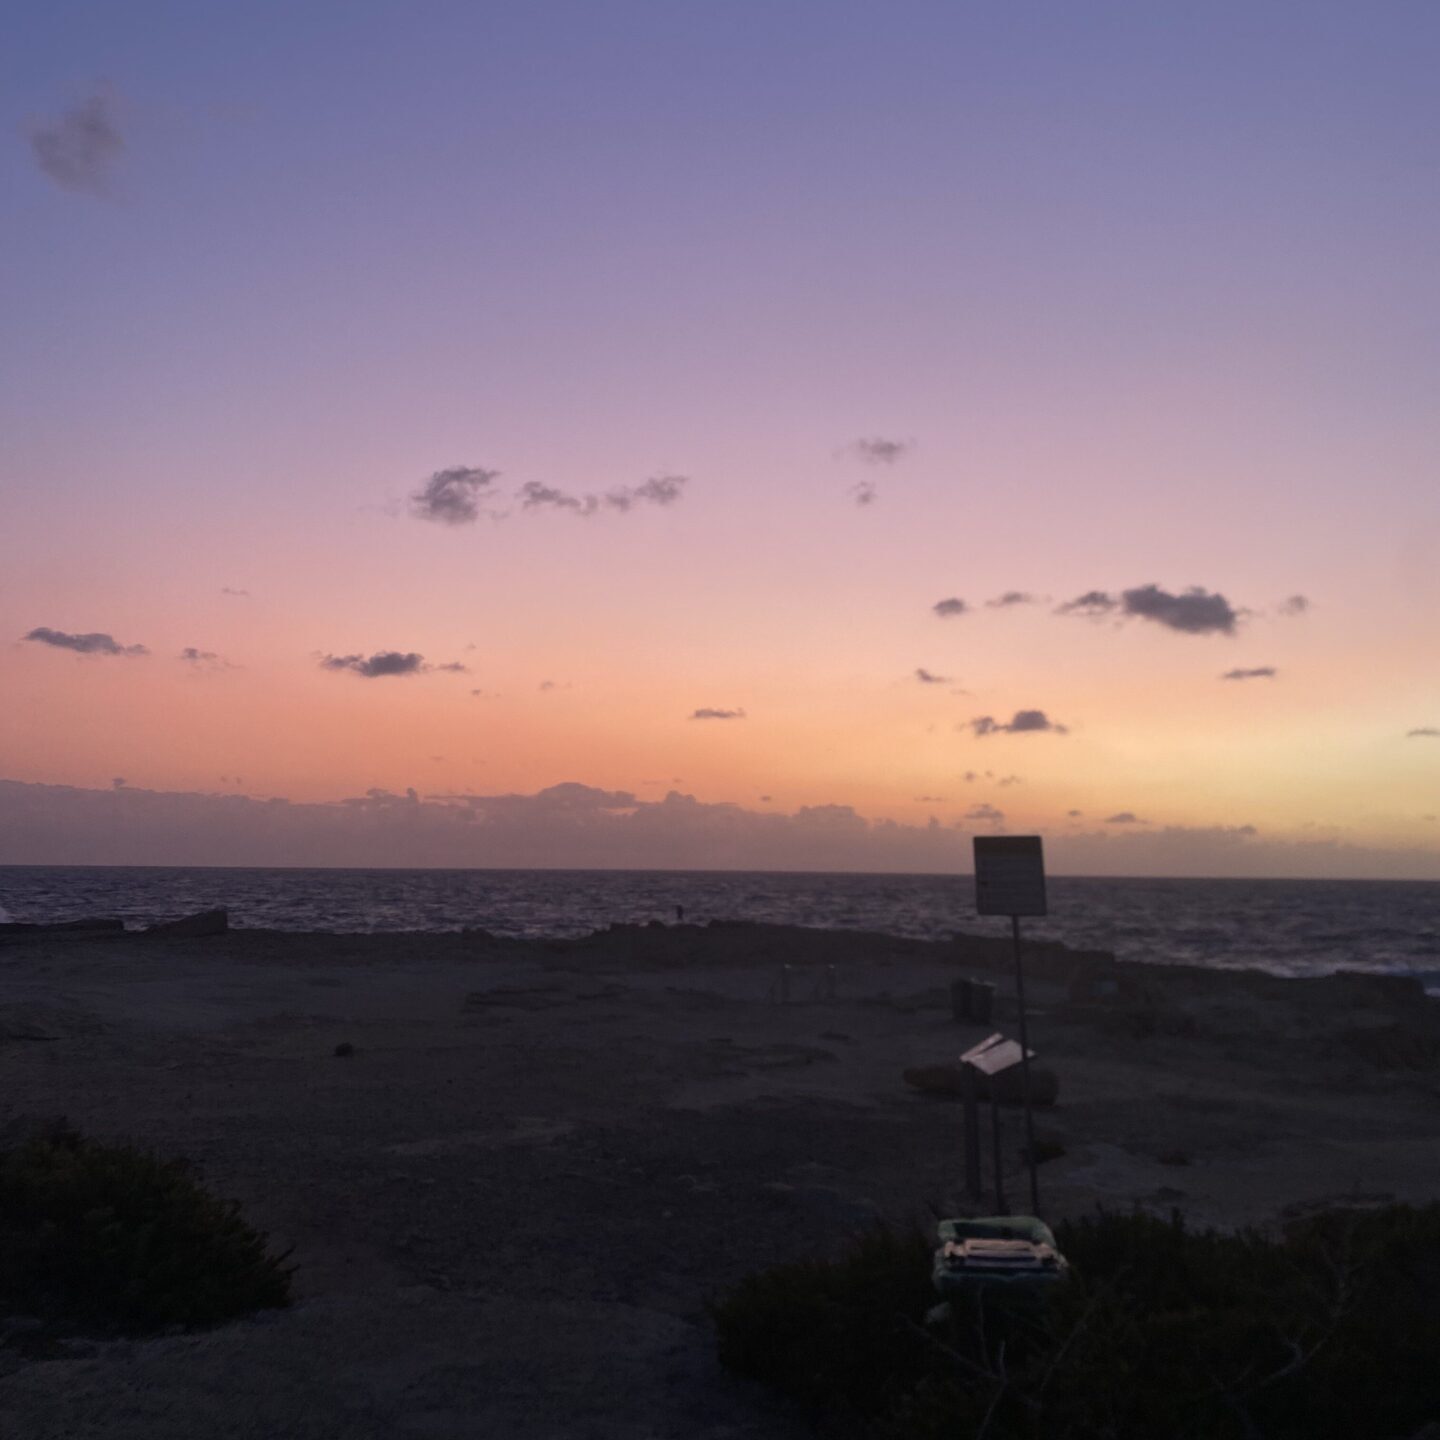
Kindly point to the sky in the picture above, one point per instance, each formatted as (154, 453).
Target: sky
(800, 435)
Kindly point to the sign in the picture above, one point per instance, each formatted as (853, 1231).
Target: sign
(984, 1045)
(992, 1056)
(1009, 875)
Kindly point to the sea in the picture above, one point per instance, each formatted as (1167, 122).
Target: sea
(1288, 927)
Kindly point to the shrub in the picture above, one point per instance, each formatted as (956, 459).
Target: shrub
(1328, 1330)
(789, 1326)
(112, 1239)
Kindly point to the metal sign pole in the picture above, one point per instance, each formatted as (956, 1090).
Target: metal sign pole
(1025, 1069)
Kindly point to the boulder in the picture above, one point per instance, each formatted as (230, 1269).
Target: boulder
(63, 927)
(948, 1081)
(207, 922)
(1092, 983)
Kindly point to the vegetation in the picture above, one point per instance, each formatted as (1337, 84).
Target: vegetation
(1328, 1330)
(111, 1239)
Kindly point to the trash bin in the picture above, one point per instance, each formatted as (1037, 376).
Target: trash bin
(982, 1001)
(960, 999)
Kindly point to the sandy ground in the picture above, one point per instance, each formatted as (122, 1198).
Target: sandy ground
(510, 1204)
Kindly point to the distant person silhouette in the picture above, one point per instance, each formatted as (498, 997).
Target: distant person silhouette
(679, 914)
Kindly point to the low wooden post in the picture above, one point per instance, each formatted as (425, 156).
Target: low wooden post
(970, 1099)
(1000, 1207)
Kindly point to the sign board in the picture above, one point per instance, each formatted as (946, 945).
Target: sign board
(969, 1056)
(992, 1056)
(1009, 875)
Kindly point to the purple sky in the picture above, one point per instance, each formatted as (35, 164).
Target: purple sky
(647, 396)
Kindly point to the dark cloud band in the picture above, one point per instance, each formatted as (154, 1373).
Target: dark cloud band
(1195, 611)
(658, 490)
(1023, 722)
(381, 663)
(95, 642)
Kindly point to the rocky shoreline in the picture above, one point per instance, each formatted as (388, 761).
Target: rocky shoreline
(514, 1171)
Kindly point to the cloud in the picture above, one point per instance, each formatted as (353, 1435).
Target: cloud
(1125, 817)
(453, 668)
(81, 148)
(1195, 611)
(926, 678)
(1023, 722)
(1293, 605)
(231, 590)
(1074, 814)
(987, 813)
(94, 642)
(382, 662)
(946, 609)
(929, 799)
(204, 659)
(658, 490)
(1009, 780)
(1428, 732)
(453, 496)
(710, 713)
(534, 496)
(576, 826)
(876, 450)
(1009, 598)
(1092, 604)
(1260, 672)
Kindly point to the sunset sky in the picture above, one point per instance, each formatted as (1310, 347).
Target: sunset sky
(477, 399)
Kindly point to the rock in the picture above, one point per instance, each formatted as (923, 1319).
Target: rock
(23, 929)
(50, 1129)
(344, 1050)
(823, 1203)
(21, 1029)
(1142, 1022)
(207, 922)
(1093, 982)
(1392, 1047)
(1397, 991)
(948, 1081)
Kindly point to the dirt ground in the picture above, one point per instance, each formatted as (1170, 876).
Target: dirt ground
(510, 1203)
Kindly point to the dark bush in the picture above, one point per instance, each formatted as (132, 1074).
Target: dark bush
(789, 1326)
(110, 1239)
(1329, 1330)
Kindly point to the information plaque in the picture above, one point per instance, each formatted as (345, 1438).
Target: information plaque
(1009, 875)
(997, 1053)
